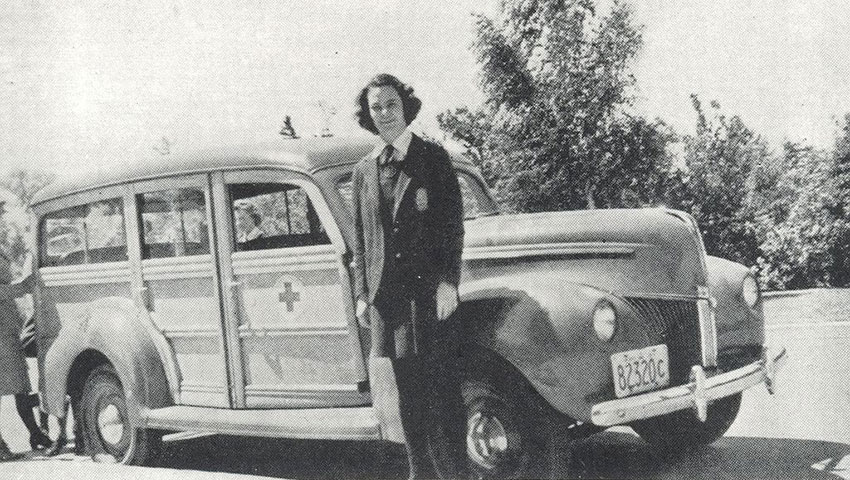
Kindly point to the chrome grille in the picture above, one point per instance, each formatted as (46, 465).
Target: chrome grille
(675, 323)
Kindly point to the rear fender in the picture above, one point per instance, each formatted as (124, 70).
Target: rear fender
(112, 331)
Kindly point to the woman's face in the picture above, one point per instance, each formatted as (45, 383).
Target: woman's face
(387, 111)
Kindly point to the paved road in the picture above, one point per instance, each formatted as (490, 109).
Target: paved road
(802, 432)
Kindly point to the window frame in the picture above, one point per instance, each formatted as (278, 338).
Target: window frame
(141, 222)
(81, 199)
(279, 176)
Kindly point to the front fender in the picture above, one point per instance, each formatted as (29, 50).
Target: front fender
(111, 328)
(542, 325)
(740, 328)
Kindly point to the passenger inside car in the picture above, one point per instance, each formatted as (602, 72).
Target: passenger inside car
(247, 222)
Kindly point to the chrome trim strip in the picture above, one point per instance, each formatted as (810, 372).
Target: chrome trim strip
(707, 328)
(354, 423)
(550, 249)
(86, 267)
(86, 274)
(290, 259)
(318, 330)
(189, 331)
(276, 390)
(656, 296)
(201, 388)
(176, 268)
(181, 262)
(691, 395)
(282, 267)
(295, 253)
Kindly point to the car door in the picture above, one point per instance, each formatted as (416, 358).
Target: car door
(292, 333)
(179, 284)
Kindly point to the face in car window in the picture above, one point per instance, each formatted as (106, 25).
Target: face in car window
(247, 221)
(272, 215)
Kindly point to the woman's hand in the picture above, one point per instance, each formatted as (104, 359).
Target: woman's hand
(446, 300)
(360, 312)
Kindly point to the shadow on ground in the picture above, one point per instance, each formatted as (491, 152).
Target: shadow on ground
(605, 455)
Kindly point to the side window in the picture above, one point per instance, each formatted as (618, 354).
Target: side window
(470, 202)
(468, 189)
(174, 223)
(91, 233)
(271, 215)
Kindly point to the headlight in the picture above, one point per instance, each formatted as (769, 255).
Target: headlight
(604, 320)
(750, 291)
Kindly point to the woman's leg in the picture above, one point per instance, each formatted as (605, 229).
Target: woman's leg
(24, 405)
(62, 439)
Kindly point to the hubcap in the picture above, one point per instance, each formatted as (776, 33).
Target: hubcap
(486, 440)
(110, 424)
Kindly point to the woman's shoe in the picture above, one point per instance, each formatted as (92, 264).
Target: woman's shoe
(6, 455)
(39, 440)
(56, 447)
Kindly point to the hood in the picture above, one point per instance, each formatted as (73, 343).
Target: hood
(635, 252)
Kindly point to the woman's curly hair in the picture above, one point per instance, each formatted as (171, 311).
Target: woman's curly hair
(409, 101)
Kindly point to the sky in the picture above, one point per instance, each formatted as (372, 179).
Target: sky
(86, 84)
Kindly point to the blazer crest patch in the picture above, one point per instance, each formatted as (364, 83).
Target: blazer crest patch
(421, 199)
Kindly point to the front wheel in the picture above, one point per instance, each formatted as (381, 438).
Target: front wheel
(506, 426)
(682, 430)
(109, 435)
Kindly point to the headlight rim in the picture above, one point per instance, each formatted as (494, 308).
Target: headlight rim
(604, 304)
(750, 279)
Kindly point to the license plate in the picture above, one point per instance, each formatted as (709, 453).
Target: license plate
(640, 370)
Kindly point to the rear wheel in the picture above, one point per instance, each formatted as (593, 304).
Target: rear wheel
(109, 435)
(682, 430)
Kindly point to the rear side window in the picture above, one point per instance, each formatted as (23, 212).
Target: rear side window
(91, 233)
(174, 223)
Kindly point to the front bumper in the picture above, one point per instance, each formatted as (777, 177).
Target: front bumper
(696, 394)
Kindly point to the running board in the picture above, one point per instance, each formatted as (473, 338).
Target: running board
(356, 423)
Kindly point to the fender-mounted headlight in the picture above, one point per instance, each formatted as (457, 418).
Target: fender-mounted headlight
(750, 291)
(604, 320)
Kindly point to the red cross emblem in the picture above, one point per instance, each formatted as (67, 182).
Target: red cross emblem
(289, 296)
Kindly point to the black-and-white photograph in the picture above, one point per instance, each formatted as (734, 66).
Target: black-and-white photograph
(386, 239)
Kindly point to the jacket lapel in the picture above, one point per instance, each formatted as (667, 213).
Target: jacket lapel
(373, 195)
(412, 161)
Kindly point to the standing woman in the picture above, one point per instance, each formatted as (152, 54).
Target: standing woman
(408, 220)
(13, 367)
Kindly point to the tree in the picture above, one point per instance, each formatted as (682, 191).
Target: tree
(728, 172)
(555, 132)
(25, 183)
(799, 233)
(840, 208)
(807, 228)
(15, 224)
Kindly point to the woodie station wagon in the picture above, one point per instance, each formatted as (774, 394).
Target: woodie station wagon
(159, 310)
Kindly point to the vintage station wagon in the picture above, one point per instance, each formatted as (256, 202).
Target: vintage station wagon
(212, 292)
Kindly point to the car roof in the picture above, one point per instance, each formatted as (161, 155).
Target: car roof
(307, 155)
